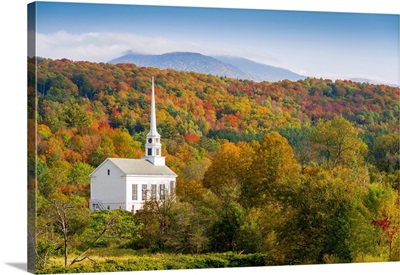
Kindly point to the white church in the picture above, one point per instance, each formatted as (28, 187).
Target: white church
(119, 183)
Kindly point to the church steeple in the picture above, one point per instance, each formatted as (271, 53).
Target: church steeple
(153, 138)
(153, 122)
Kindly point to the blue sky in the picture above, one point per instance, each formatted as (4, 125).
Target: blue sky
(320, 44)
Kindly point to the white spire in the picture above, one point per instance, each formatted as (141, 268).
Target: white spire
(153, 138)
(153, 122)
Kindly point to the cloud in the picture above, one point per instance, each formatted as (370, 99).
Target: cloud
(101, 47)
(104, 46)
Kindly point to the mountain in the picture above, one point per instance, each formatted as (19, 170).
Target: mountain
(183, 61)
(233, 67)
(258, 71)
(374, 82)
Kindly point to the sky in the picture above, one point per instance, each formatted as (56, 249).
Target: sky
(330, 45)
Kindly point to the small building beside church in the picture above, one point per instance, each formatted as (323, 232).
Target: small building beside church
(120, 183)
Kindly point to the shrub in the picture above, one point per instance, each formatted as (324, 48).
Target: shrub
(163, 262)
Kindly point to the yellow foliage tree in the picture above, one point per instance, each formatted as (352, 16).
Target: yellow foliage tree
(273, 163)
(229, 167)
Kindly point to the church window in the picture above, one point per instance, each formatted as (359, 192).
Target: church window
(144, 192)
(134, 192)
(154, 190)
(108, 171)
(158, 151)
(150, 140)
(162, 191)
(149, 152)
(157, 140)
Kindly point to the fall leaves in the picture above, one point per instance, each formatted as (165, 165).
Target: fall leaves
(305, 171)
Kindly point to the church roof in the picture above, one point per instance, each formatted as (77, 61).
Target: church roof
(141, 167)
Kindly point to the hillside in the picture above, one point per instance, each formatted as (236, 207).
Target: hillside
(83, 101)
(265, 169)
(200, 103)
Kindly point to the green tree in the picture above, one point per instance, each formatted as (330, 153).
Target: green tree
(185, 233)
(47, 241)
(300, 141)
(79, 177)
(258, 231)
(338, 143)
(50, 179)
(383, 207)
(386, 152)
(196, 169)
(321, 221)
(68, 216)
(76, 116)
(116, 227)
(155, 216)
(224, 232)
(225, 178)
(84, 84)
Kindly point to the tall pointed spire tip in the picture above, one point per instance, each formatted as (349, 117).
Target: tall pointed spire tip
(153, 121)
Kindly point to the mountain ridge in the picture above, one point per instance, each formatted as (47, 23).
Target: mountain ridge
(260, 71)
(229, 66)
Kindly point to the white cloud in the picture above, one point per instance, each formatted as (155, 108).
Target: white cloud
(101, 47)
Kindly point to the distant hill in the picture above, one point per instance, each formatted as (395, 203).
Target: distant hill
(370, 81)
(183, 61)
(233, 67)
(260, 72)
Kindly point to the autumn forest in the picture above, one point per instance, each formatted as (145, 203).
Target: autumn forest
(269, 173)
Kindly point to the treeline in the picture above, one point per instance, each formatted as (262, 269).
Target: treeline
(303, 172)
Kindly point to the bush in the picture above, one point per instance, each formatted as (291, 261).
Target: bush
(163, 262)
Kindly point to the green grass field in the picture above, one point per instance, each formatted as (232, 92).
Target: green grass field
(109, 260)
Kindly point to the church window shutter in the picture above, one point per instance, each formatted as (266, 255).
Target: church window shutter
(154, 191)
(171, 187)
(144, 192)
(134, 192)
(162, 191)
